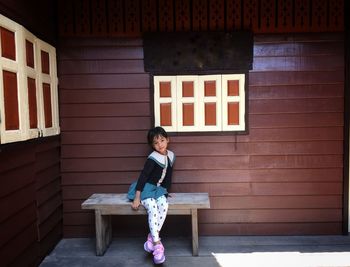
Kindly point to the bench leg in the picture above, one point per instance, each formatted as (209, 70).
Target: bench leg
(194, 218)
(103, 232)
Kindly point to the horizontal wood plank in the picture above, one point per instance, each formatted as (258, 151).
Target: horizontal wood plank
(21, 199)
(109, 95)
(100, 53)
(104, 137)
(208, 176)
(105, 81)
(295, 77)
(54, 220)
(203, 149)
(297, 48)
(314, 228)
(299, 120)
(271, 216)
(17, 223)
(49, 208)
(47, 176)
(219, 189)
(16, 179)
(18, 245)
(50, 190)
(290, 63)
(293, 91)
(318, 105)
(69, 67)
(105, 110)
(106, 123)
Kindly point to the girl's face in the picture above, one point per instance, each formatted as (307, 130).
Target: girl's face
(160, 144)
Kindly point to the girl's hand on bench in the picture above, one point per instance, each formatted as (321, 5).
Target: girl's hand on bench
(136, 204)
(137, 201)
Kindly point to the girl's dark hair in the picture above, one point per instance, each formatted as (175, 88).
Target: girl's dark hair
(155, 132)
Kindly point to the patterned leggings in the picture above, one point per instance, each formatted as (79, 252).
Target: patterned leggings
(157, 210)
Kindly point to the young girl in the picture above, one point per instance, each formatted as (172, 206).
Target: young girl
(152, 189)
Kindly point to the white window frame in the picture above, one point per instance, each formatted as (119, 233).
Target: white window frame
(19, 66)
(199, 99)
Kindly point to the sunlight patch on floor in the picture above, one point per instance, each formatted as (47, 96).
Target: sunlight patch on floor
(283, 259)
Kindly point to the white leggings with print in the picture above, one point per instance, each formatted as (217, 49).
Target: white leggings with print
(157, 210)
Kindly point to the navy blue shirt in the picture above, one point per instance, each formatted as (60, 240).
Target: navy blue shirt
(153, 169)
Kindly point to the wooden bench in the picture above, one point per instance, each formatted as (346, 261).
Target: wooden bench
(106, 205)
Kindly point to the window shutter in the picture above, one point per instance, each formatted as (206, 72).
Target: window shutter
(233, 102)
(187, 103)
(47, 84)
(28, 85)
(210, 102)
(13, 100)
(165, 102)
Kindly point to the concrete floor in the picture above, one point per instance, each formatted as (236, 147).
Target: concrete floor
(214, 251)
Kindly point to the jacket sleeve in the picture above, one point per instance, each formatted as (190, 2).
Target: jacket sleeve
(145, 174)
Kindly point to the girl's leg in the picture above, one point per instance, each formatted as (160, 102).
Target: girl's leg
(162, 205)
(150, 205)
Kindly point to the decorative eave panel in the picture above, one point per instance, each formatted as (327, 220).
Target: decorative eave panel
(134, 17)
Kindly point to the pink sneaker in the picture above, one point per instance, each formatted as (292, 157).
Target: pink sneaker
(158, 254)
(148, 246)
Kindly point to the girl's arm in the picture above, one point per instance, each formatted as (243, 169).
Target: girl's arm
(137, 200)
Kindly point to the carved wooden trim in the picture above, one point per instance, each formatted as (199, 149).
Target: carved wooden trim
(135, 17)
(149, 17)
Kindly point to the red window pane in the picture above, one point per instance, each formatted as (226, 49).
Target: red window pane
(30, 54)
(210, 113)
(187, 89)
(8, 44)
(233, 88)
(33, 113)
(209, 88)
(11, 100)
(233, 113)
(188, 114)
(45, 62)
(47, 105)
(165, 89)
(165, 114)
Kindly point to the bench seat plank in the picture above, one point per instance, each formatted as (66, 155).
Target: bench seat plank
(109, 204)
(178, 201)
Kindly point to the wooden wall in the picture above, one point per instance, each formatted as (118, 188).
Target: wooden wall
(30, 201)
(30, 191)
(284, 177)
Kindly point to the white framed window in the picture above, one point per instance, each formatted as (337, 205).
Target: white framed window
(200, 103)
(28, 85)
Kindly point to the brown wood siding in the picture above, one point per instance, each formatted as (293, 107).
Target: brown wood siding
(284, 177)
(30, 201)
